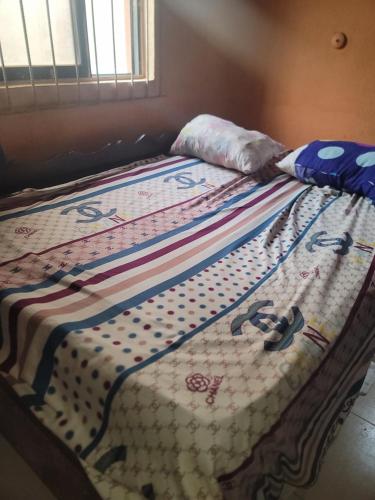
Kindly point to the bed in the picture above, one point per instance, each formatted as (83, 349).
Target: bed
(185, 330)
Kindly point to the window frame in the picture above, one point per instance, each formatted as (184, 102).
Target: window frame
(17, 96)
(45, 74)
(21, 74)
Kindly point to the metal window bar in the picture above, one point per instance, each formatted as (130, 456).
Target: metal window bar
(52, 51)
(75, 38)
(114, 48)
(32, 82)
(6, 86)
(95, 50)
(139, 14)
(136, 26)
(146, 45)
(132, 43)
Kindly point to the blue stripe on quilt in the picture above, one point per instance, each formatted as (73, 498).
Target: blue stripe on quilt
(77, 270)
(96, 193)
(118, 382)
(56, 336)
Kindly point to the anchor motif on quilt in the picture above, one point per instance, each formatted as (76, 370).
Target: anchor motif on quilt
(93, 214)
(282, 325)
(345, 243)
(187, 182)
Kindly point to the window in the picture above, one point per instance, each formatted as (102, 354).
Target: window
(66, 51)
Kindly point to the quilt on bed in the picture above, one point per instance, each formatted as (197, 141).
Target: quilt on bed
(189, 332)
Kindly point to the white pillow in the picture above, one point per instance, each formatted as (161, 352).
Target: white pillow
(288, 163)
(221, 142)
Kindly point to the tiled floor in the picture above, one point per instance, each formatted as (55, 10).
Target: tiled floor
(347, 474)
(17, 480)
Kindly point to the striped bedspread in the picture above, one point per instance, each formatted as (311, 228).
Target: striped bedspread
(189, 332)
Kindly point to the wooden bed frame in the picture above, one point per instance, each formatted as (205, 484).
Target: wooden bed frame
(66, 167)
(51, 460)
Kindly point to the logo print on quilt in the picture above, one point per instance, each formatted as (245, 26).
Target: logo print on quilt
(26, 231)
(187, 182)
(200, 383)
(93, 214)
(316, 240)
(197, 382)
(315, 272)
(282, 325)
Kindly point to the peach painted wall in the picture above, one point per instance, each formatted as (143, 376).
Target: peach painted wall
(309, 89)
(266, 64)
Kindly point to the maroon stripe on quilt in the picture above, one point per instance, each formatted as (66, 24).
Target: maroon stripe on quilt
(105, 230)
(165, 163)
(76, 188)
(99, 278)
(74, 287)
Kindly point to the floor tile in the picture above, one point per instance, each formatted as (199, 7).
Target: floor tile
(348, 472)
(17, 480)
(369, 379)
(365, 406)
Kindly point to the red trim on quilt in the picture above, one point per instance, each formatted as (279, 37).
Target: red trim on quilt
(92, 183)
(105, 230)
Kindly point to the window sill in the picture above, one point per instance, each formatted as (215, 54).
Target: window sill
(43, 95)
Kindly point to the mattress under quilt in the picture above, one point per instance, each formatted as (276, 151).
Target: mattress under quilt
(188, 331)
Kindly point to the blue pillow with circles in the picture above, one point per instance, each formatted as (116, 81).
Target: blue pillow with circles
(343, 165)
